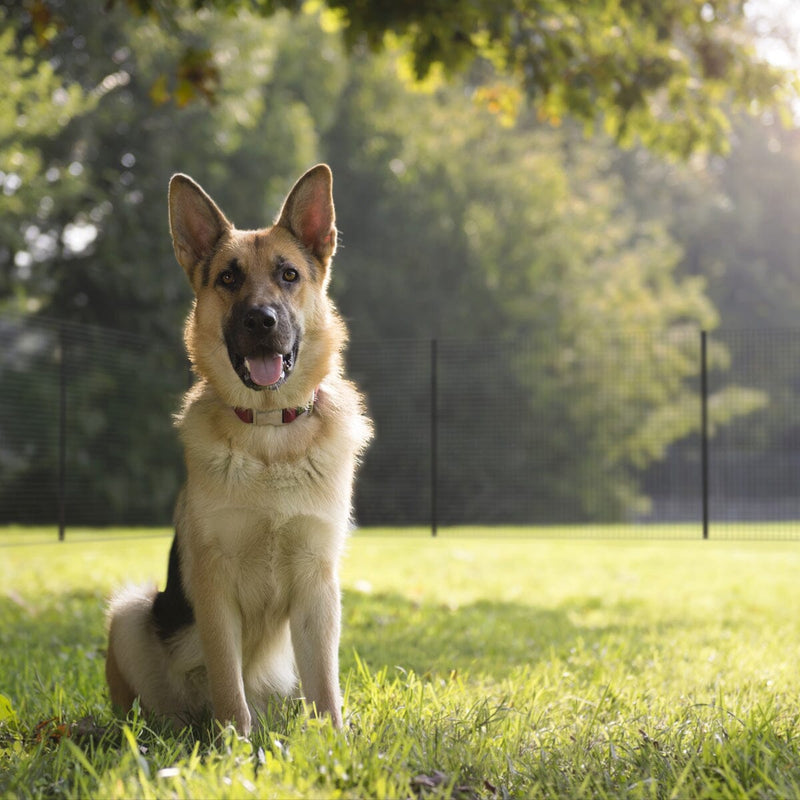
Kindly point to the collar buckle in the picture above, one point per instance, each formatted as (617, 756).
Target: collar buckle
(277, 417)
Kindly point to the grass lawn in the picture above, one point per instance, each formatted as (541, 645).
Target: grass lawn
(473, 667)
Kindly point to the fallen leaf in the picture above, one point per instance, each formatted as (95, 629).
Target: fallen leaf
(429, 781)
(87, 728)
(52, 730)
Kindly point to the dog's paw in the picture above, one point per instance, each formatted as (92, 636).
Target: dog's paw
(336, 718)
(332, 711)
(239, 717)
(243, 721)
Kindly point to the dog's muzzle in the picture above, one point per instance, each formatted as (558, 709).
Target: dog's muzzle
(262, 346)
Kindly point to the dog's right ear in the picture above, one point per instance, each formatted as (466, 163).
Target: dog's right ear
(195, 221)
(308, 213)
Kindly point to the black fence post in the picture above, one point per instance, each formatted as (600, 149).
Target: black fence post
(62, 432)
(704, 427)
(434, 438)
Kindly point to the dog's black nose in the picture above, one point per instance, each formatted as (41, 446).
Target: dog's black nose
(260, 318)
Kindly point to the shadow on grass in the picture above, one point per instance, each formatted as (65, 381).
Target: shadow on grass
(59, 640)
(490, 638)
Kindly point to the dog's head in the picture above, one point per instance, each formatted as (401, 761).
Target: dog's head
(261, 322)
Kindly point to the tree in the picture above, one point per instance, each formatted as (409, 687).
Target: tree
(735, 218)
(516, 246)
(665, 71)
(35, 102)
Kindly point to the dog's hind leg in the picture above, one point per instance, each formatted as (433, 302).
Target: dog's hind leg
(130, 650)
(122, 695)
(167, 677)
(136, 661)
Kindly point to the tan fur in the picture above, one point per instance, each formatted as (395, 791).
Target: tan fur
(262, 518)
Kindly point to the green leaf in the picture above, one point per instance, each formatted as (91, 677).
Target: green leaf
(7, 713)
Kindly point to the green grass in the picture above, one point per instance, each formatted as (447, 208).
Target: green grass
(473, 667)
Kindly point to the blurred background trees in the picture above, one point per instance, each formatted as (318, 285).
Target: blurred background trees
(481, 192)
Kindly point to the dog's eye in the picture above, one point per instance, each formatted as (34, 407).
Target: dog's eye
(290, 275)
(227, 278)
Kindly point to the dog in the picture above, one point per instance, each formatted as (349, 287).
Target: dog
(272, 434)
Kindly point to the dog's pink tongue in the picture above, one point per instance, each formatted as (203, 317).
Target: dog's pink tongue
(265, 370)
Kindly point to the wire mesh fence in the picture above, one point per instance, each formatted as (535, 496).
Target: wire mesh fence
(85, 425)
(467, 434)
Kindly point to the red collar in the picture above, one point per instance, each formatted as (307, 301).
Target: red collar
(279, 416)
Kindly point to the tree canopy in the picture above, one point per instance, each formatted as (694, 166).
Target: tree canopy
(666, 72)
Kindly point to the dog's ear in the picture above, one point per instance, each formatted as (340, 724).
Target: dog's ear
(308, 212)
(195, 221)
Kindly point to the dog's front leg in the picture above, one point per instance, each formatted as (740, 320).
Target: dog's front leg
(315, 620)
(220, 628)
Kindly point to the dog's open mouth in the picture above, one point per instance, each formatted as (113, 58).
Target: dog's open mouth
(264, 370)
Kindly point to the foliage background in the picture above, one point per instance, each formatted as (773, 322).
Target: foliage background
(467, 214)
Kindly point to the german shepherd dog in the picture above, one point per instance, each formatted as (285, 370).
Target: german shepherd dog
(272, 433)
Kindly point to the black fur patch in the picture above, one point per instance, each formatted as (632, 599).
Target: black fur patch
(171, 608)
(205, 266)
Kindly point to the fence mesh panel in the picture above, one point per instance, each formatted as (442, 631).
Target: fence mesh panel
(396, 377)
(465, 435)
(85, 425)
(754, 459)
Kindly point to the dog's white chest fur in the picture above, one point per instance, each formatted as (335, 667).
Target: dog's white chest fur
(274, 473)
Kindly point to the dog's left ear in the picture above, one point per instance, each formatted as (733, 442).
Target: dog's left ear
(308, 212)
